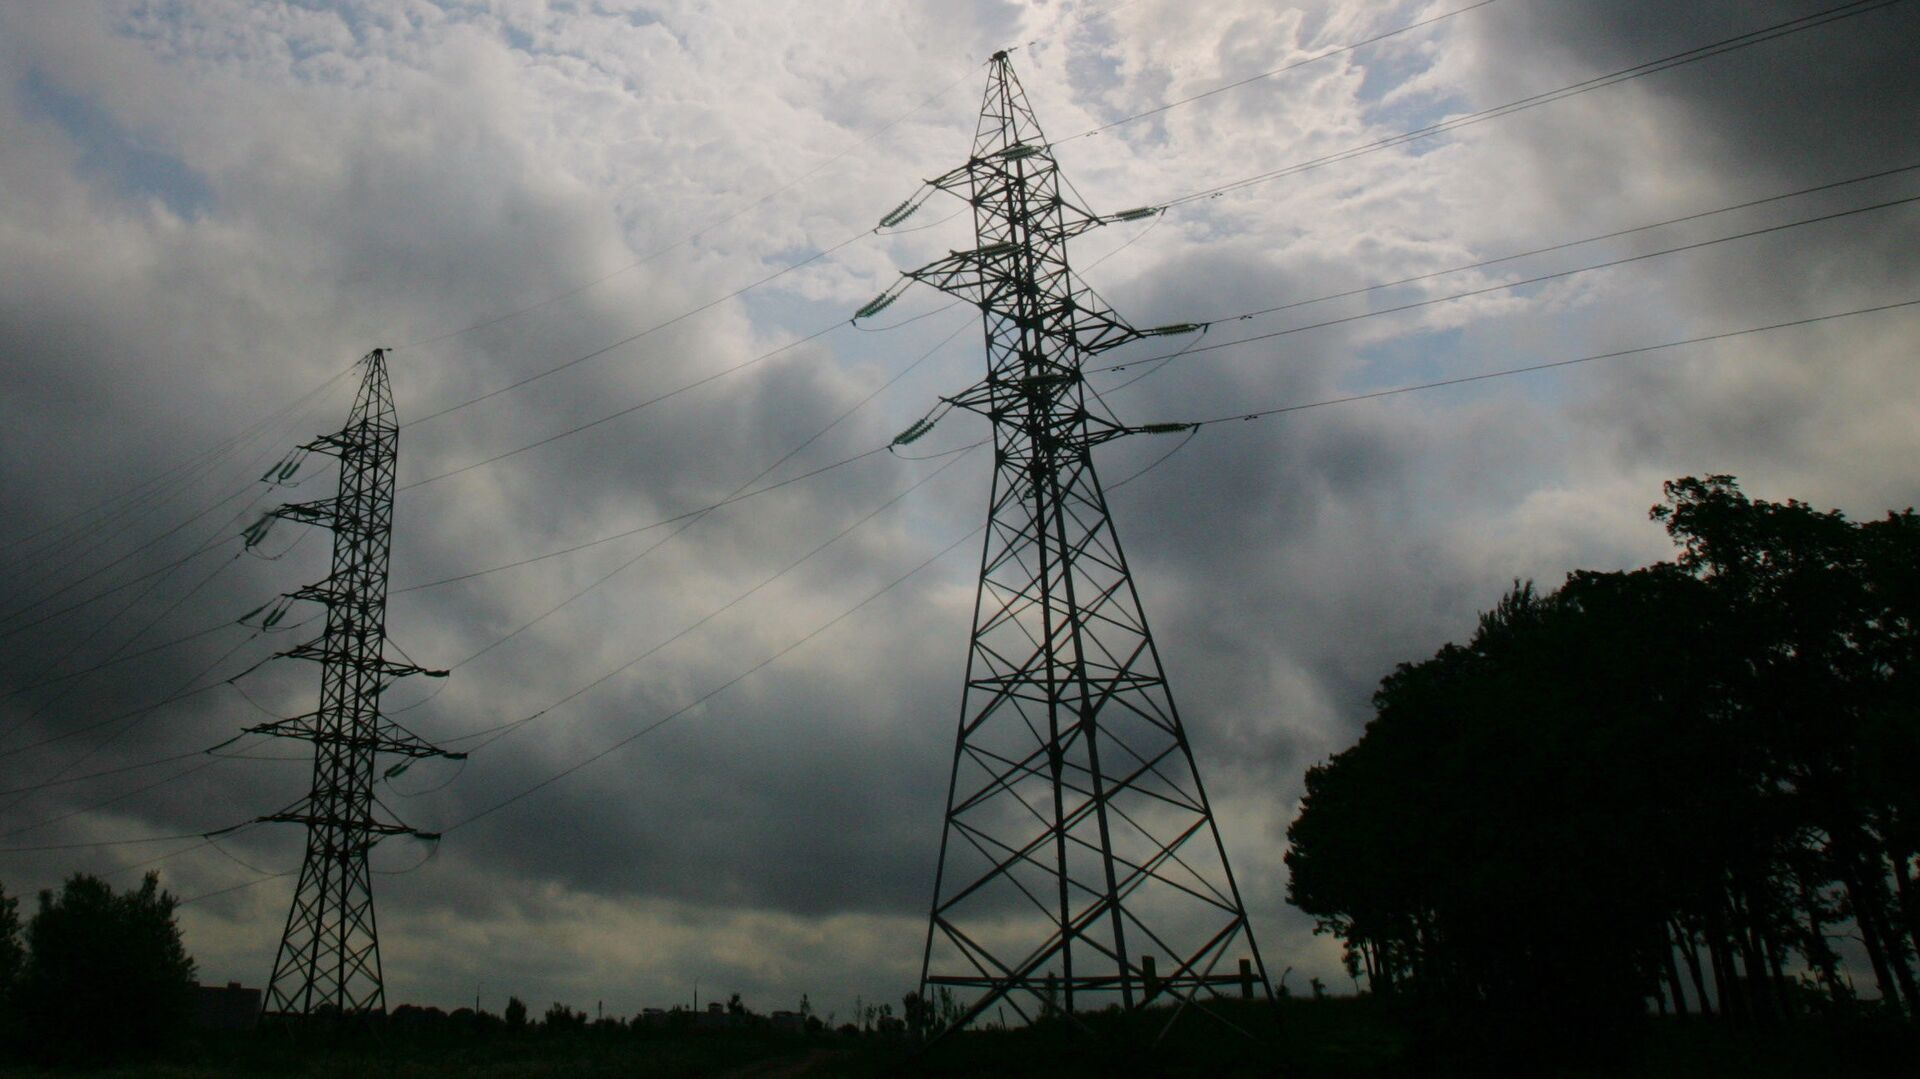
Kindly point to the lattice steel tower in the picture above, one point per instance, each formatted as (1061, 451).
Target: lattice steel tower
(329, 958)
(1079, 864)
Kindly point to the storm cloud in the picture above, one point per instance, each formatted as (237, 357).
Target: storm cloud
(211, 208)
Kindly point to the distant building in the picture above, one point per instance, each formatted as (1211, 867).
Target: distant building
(788, 1021)
(228, 1007)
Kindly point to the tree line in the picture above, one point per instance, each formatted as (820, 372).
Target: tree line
(1693, 787)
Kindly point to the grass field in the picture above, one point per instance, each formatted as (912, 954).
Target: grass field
(1335, 1038)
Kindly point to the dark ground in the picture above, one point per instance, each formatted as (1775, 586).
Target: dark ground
(1334, 1039)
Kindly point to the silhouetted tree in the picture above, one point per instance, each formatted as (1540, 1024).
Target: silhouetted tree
(560, 1018)
(12, 956)
(105, 975)
(1659, 783)
(516, 1014)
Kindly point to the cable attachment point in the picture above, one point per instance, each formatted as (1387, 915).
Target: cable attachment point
(1164, 428)
(883, 301)
(907, 208)
(258, 530)
(1174, 329)
(275, 609)
(912, 434)
(919, 428)
(1137, 214)
(280, 473)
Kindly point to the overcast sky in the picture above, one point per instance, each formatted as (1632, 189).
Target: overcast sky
(209, 208)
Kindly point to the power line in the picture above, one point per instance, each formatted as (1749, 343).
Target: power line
(1195, 349)
(1564, 245)
(116, 799)
(71, 685)
(125, 768)
(818, 255)
(203, 512)
(497, 733)
(1249, 80)
(692, 236)
(1502, 286)
(710, 694)
(739, 494)
(1530, 368)
(216, 450)
(656, 327)
(117, 660)
(1702, 52)
(1689, 56)
(181, 695)
(102, 843)
(627, 411)
(749, 672)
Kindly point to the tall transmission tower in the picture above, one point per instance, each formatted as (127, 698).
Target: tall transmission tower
(329, 958)
(1080, 865)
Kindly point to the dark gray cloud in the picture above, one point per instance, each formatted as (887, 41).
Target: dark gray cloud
(212, 208)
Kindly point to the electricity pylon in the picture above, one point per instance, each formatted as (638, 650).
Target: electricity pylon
(329, 958)
(1080, 864)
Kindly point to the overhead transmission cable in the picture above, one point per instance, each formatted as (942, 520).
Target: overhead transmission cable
(72, 684)
(740, 494)
(1484, 290)
(1701, 52)
(1280, 410)
(655, 328)
(849, 612)
(1295, 65)
(493, 734)
(686, 521)
(776, 274)
(191, 464)
(1566, 244)
(696, 234)
(747, 207)
(187, 692)
(1188, 426)
(261, 487)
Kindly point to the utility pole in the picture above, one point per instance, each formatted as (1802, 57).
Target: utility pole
(329, 958)
(1080, 865)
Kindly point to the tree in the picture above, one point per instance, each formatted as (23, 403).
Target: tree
(516, 1014)
(1705, 763)
(105, 975)
(560, 1018)
(12, 957)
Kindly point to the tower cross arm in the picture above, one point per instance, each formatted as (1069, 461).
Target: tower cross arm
(319, 512)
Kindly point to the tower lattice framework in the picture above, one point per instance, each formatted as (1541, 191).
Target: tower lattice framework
(1080, 864)
(329, 957)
